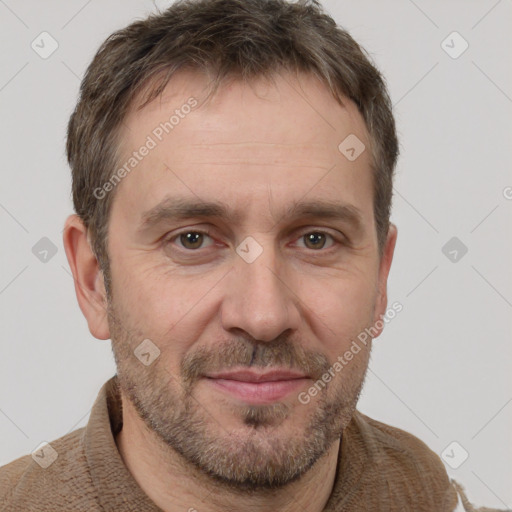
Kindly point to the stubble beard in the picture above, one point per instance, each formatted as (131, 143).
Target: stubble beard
(268, 450)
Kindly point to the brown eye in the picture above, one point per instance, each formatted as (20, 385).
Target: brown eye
(315, 240)
(192, 239)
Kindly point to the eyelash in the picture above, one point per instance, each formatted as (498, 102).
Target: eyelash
(336, 241)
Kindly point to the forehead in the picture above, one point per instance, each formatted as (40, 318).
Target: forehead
(273, 110)
(248, 141)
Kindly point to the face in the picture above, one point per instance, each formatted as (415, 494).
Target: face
(243, 246)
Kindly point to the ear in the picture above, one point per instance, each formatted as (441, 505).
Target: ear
(88, 278)
(382, 281)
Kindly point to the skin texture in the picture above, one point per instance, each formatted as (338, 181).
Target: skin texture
(257, 148)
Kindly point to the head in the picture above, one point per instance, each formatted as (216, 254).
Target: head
(219, 215)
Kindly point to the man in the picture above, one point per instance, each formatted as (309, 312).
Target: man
(232, 170)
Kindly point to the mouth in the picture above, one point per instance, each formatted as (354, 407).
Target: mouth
(254, 387)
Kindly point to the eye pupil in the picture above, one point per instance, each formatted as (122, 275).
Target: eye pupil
(191, 238)
(314, 238)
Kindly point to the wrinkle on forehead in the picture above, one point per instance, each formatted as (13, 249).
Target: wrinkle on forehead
(254, 153)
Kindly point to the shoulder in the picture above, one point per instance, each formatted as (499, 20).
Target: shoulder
(54, 478)
(407, 466)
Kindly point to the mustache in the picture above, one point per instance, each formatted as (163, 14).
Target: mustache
(280, 353)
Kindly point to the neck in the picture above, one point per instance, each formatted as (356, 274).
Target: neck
(175, 485)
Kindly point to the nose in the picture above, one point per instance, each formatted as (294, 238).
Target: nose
(260, 298)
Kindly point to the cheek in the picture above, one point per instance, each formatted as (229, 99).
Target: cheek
(339, 310)
(172, 310)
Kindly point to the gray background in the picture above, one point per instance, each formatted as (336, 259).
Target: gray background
(441, 370)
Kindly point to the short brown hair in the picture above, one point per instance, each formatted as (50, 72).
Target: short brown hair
(241, 39)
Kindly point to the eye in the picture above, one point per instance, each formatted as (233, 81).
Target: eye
(193, 240)
(190, 240)
(316, 239)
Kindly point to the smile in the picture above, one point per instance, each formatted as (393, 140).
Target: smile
(258, 388)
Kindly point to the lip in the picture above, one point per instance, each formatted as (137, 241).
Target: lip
(258, 387)
(253, 376)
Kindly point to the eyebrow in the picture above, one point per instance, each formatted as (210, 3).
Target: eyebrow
(178, 208)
